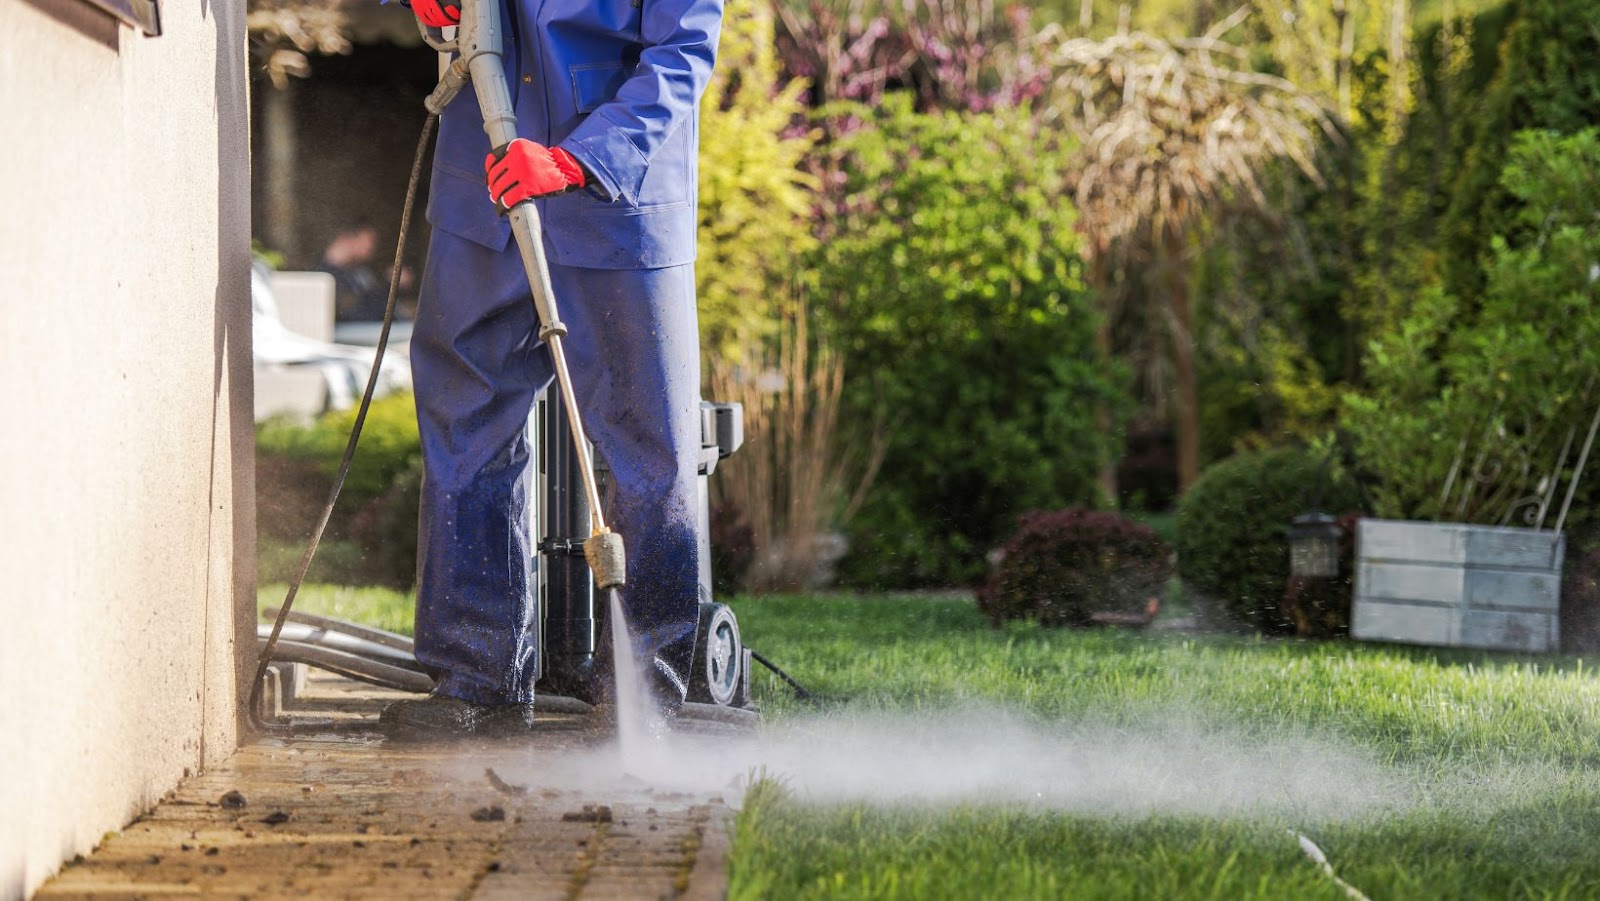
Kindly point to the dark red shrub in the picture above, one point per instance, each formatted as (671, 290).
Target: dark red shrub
(1062, 568)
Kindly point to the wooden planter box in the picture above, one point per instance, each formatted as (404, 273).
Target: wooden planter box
(1458, 585)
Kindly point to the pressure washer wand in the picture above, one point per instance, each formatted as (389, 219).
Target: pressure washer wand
(479, 47)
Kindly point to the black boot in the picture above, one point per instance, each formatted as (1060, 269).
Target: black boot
(441, 716)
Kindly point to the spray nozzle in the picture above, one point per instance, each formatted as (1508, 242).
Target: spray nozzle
(606, 559)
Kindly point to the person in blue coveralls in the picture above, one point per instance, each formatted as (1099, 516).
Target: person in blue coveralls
(606, 94)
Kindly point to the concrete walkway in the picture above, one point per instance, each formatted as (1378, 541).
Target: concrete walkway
(339, 812)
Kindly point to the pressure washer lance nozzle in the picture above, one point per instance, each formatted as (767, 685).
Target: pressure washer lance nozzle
(606, 559)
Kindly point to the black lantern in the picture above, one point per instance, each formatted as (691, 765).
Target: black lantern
(1314, 546)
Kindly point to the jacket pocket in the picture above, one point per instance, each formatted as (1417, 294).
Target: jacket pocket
(670, 178)
(595, 83)
(584, 233)
(461, 206)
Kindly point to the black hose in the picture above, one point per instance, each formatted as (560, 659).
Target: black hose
(254, 705)
(800, 691)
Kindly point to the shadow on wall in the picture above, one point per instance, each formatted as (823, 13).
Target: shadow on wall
(232, 315)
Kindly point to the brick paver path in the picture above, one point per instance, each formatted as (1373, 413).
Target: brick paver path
(342, 813)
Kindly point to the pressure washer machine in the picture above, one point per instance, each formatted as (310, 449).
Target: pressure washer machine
(571, 619)
(571, 624)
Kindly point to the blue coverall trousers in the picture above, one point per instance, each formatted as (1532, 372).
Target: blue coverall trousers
(633, 350)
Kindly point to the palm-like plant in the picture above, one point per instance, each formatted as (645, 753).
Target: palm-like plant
(1171, 131)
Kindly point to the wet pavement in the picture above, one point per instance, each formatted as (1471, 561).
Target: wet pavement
(337, 811)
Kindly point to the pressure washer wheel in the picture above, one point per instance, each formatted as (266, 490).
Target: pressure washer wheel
(718, 670)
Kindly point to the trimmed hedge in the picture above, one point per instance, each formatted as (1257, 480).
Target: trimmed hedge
(1062, 567)
(389, 446)
(1233, 546)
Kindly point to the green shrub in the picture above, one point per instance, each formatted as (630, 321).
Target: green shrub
(1062, 567)
(754, 201)
(371, 537)
(1233, 550)
(1547, 82)
(1478, 399)
(950, 281)
(389, 446)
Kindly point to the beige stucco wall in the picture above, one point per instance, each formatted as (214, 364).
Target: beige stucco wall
(126, 487)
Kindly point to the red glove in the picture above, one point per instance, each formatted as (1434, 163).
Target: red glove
(437, 13)
(523, 169)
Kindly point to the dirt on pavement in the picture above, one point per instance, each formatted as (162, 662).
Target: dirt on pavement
(341, 812)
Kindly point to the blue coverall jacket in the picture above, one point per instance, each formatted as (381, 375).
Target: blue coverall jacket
(616, 83)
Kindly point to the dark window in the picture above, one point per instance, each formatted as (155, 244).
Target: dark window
(141, 13)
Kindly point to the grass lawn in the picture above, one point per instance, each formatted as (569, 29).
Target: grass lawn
(1167, 765)
(1486, 764)
(380, 607)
